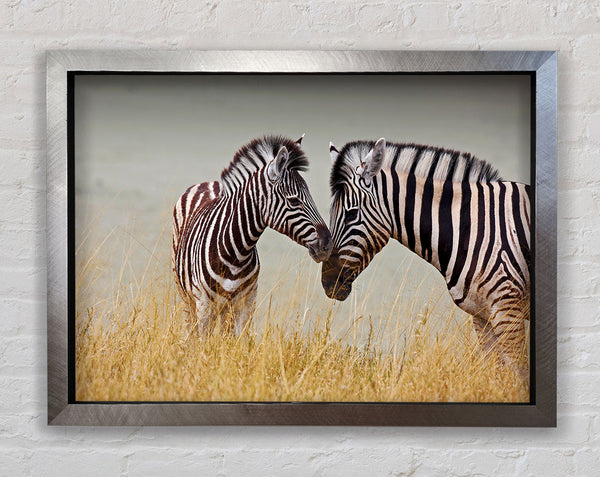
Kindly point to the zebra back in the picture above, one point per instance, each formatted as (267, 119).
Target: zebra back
(426, 161)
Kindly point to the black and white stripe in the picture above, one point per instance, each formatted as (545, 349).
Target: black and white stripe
(217, 226)
(451, 209)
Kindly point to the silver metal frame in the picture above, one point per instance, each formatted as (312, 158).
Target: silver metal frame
(542, 65)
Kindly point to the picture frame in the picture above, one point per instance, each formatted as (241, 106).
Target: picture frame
(63, 408)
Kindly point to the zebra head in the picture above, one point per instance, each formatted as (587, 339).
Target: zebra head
(357, 226)
(290, 208)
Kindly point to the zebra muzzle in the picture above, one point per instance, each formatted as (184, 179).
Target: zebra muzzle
(334, 280)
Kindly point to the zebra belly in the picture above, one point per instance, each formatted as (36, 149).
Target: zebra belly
(216, 286)
(492, 291)
(474, 303)
(220, 302)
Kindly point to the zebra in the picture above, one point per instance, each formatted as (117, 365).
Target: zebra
(216, 226)
(451, 209)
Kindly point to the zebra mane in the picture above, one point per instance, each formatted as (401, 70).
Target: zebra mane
(424, 161)
(255, 155)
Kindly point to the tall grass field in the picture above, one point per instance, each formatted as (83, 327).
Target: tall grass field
(133, 343)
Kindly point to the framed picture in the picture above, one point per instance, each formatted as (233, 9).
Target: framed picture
(301, 238)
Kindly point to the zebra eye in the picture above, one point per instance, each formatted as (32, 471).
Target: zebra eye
(351, 215)
(294, 201)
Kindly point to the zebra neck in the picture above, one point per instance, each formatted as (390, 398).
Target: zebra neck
(243, 224)
(424, 213)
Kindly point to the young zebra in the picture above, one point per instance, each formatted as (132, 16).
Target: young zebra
(217, 225)
(451, 209)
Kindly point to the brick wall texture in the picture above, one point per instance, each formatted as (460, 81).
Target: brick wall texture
(29, 28)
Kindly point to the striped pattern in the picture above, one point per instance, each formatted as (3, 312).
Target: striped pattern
(216, 226)
(451, 209)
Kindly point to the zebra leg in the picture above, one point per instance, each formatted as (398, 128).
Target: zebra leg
(244, 309)
(190, 317)
(189, 309)
(511, 334)
(202, 320)
(486, 336)
(509, 345)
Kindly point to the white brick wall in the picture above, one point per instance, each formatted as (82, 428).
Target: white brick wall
(28, 28)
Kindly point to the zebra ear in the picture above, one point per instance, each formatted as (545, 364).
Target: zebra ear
(333, 152)
(277, 165)
(299, 140)
(373, 161)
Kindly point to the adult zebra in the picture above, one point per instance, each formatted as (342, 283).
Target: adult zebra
(451, 209)
(217, 226)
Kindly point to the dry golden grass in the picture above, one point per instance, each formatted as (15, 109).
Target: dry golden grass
(134, 346)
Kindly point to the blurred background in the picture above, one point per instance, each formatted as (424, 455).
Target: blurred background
(141, 140)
